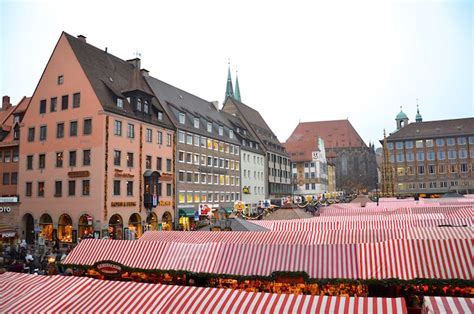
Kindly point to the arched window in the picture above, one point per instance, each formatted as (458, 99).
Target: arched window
(46, 227)
(135, 225)
(116, 227)
(85, 226)
(65, 228)
(152, 222)
(167, 222)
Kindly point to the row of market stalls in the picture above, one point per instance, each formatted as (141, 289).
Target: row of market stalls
(62, 294)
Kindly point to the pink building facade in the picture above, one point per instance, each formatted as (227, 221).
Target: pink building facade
(93, 129)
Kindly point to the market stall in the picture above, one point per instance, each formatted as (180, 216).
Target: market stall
(447, 305)
(34, 294)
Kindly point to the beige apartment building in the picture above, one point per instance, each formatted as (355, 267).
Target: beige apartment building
(92, 135)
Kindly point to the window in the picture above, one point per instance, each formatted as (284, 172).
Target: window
(462, 153)
(420, 156)
(203, 141)
(6, 178)
(86, 157)
(231, 134)
(72, 158)
(189, 197)
(159, 137)
(158, 163)
(129, 188)
(431, 155)
(429, 143)
(160, 115)
(149, 134)
(15, 155)
(389, 146)
(400, 157)
(29, 189)
(31, 134)
(168, 165)
(130, 160)
(29, 162)
(131, 131)
(203, 178)
(463, 167)
(86, 187)
(43, 132)
(71, 188)
(431, 169)
(181, 136)
(64, 102)
(399, 145)
(181, 176)
(196, 123)
(221, 131)
(168, 139)
(41, 161)
(196, 177)
(145, 106)
(117, 157)
(471, 139)
(461, 141)
(209, 127)
(139, 104)
(453, 168)
(40, 189)
(168, 189)
(59, 159)
(60, 130)
(409, 144)
(181, 156)
(116, 187)
(421, 169)
(181, 196)
(58, 188)
(148, 162)
(88, 126)
(43, 106)
(54, 103)
(73, 128)
(182, 118)
(189, 139)
(441, 168)
(189, 177)
(120, 102)
(196, 159)
(441, 155)
(61, 80)
(451, 141)
(452, 154)
(189, 158)
(196, 140)
(118, 128)
(76, 100)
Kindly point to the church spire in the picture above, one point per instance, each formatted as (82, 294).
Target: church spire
(229, 91)
(418, 117)
(237, 88)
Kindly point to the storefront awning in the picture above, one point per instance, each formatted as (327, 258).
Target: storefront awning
(186, 212)
(228, 211)
(7, 231)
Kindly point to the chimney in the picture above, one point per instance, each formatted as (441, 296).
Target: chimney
(135, 62)
(82, 38)
(144, 72)
(216, 104)
(6, 102)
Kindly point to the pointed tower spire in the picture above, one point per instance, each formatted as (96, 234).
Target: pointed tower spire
(418, 117)
(237, 88)
(229, 91)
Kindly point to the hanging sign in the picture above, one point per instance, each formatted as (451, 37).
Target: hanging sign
(108, 268)
(155, 200)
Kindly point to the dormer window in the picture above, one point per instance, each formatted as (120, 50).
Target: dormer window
(196, 123)
(209, 127)
(139, 104)
(251, 144)
(160, 115)
(16, 133)
(145, 107)
(238, 130)
(182, 118)
(221, 131)
(120, 103)
(231, 134)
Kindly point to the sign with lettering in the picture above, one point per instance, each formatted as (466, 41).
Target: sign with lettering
(316, 156)
(5, 209)
(164, 203)
(212, 170)
(11, 199)
(120, 174)
(108, 268)
(123, 204)
(78, 174)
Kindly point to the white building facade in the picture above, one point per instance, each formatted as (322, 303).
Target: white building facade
(253, 177)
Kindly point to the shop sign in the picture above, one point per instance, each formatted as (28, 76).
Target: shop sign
(8, 234)
(246, 190)
(11, 199)
(5, 209)
(155, 200)
(78, 174)
(239, 205)
(120, 174)
(204, 209)
(166, 177)
(108, 268)
(164, 203)
(212, 170)
(123, 204)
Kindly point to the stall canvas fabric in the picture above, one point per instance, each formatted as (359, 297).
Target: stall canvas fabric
(448, 305)
(63, 294)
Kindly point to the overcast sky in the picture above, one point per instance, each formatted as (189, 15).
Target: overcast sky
(297, 60)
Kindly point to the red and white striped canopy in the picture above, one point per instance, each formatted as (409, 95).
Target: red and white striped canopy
(400, 258)
(447, 305)
(40, 294)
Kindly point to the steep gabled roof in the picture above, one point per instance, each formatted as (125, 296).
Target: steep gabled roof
(434, 129)
(7, 119)
(301, 149)
(112, 77)
(235, 123)
(258, 125)
(335, 133)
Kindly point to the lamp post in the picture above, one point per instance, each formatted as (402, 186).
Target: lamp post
(377, 191)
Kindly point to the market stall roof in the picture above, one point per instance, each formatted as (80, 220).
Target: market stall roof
(447, 305)
(34, 294)
(400, 258)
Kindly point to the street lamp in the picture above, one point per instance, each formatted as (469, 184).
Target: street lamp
(377, 191)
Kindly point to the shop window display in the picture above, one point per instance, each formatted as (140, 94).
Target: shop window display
(166, 222)
(152, 222)
(116, 227)
(135, 225)
(46, 227)
(65, 228)
(86, 229)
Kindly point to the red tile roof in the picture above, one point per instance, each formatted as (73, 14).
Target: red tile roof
(336, 134)
(6, 119)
